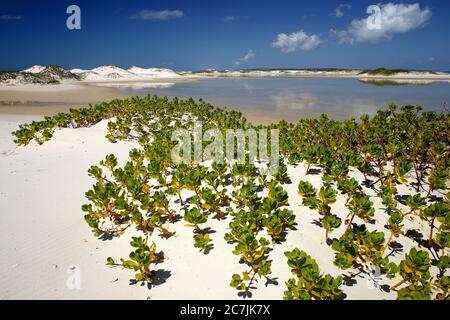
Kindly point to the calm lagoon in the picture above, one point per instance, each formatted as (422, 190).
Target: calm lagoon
(272, 99)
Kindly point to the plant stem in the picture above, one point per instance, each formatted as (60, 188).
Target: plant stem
(408, 213)
(429, 192)
(388, 242)
(430, 241)
(350, 223)
(181, 199)
(397, 285)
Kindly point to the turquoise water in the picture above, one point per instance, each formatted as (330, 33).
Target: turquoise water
(268, 99)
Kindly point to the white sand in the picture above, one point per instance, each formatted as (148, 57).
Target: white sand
(113, 73)
(42, 231)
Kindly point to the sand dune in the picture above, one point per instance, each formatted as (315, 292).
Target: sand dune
(114, 74)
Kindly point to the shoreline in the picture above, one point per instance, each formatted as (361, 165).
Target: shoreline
(336, 76)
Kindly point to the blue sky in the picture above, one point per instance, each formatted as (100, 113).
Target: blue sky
(198, 34)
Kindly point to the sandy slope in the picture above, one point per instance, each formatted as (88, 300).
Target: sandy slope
(42, 231)
(51, 99)
(67, 93)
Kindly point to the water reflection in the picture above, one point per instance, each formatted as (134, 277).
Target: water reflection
(273, 99)
(248, 87)
(395, 82)
(311, 105)
(289, 99)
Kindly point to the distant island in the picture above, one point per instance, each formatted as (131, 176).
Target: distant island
(53, 75)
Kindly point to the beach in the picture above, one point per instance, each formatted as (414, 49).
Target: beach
(43, 233)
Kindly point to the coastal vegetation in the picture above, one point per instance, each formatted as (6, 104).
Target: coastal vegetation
(48, 75)
(396, 149)
(26, 77)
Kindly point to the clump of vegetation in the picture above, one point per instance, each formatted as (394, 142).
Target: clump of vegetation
(49, 75)
(322, 203)
(140, 260)
(195, 218)
(252, 252)
(26, 77)
(414, 272)
(57, 73)
(310, 283)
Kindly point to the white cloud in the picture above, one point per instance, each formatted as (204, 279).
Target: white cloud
(339, 11)
(230, 18)
(393, 19)
(249, 55)
(158, 15)
(295, 41)
(9, 17)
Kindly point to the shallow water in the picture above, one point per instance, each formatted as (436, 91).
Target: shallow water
(270, 99)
